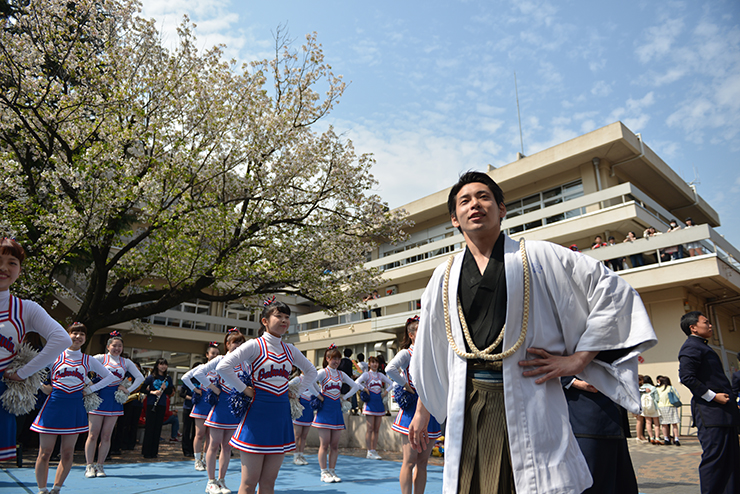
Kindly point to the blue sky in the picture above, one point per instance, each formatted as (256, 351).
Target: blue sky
(431, 84)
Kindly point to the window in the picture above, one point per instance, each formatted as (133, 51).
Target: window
(542, 200)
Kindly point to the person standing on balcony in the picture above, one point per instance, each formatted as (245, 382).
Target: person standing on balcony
(616, 264)
(713, 407)
(564, 313)
(636, 259)
(675, 252)
(17, 318)
(694, 248)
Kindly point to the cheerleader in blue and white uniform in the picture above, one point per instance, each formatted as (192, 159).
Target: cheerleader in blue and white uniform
(376, 386)
(64, 413)
(302, 425)
(220, 421)
(17, 317)
(329, 419)
(201, 408)
(265, 433)
(103, 420)
(398, 370)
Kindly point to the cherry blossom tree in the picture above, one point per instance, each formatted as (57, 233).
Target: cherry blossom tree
(140, 176)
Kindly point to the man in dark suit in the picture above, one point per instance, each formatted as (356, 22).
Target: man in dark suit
(713, 407)
(601, 428)
(736, 381)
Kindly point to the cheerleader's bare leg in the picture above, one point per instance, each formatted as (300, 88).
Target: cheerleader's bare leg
(201, 434)
(324, 446)
(334, 448)
(413, 476)
(375, 431)
(219, 437)
(67, 455)
(46, 448)
(301, 434)
(259, 470)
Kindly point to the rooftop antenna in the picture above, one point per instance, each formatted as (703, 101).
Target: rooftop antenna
(516, 89)
(696, 180)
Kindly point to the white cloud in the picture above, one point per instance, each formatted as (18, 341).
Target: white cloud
(659, 40)
(601, 88)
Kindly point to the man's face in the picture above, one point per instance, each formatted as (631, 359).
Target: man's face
(476, 210)
(702, 328)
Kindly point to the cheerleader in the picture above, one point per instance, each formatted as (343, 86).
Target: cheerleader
(220, 421)
(302, 425)
(17, 317)
(103, 420)
(64, 414)
(265, 433)
(329, 420)
(413, 476)
(155, 385)
(201, 408)
(376, 386)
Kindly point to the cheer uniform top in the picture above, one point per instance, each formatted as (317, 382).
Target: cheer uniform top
(330, 381)
(201, 408)
(398, 370)
(266, 427)
(375, 382)
(64, 410)
(306, 419)
(110, 407)
(17, 317)
(220, 416)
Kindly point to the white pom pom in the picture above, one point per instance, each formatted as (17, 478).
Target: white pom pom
(121, 396)
(92, 402)
(20, 397)
(296, 409)
(346, 406)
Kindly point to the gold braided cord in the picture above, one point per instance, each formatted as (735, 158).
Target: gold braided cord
(486, 354)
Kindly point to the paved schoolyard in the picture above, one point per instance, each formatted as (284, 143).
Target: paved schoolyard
(660, 470)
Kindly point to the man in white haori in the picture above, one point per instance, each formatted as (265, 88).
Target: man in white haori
(583, 320)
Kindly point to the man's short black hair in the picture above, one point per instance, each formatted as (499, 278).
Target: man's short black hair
(469, 178)
(347, 352)
(690, 319)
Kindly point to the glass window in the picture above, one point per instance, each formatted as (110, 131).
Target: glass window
(545, 199)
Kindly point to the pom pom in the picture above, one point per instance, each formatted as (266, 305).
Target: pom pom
(210, 397)
(296, 409)
(316, 404)
(197, 397)
(20, 396)
(239, 402)
(365, 396)
(404, 399)
(346, 406)
(92, 402)
(122, 396)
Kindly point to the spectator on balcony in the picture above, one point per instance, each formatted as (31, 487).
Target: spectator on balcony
(675, 252)
(636, 259)
(694, 248)
(574, 248)
(651, 232)
(376, 310)
(598, 242)
(366, 299)
(616, 264)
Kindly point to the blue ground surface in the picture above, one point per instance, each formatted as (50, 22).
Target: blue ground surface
(359, 476)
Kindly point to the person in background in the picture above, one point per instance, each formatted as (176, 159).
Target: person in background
(361, 364)
(171, 418)
(649, 400)
(736, 382)
(636, 259)
(598, 242)
(348, 367)
(616, 264)
(128, 424)
(155, 385)
(188, 422)
(669, 414)
(713, 407)
(694, 248)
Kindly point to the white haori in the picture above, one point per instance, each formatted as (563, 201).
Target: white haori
(576, 304)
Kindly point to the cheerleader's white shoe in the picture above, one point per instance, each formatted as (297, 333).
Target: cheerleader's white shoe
(327, 477)
(334, 475)
(200, 465)
(222, 485)
(212, 487)
(90, 471)
(99, 471)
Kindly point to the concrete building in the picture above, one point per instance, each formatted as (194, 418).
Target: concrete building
(607, 182)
